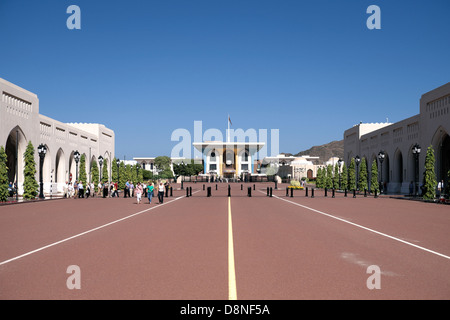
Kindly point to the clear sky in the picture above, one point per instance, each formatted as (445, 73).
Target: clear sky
(311, 69)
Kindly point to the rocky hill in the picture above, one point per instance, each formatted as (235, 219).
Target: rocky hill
(325, 151)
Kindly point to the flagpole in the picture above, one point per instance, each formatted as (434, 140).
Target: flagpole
(228, 132)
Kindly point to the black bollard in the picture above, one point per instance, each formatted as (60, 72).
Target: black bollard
(306, 192)
(267, 191)
(376, 194)
(326, 192)
(365, 192)
(287, 192)
(332, 193)
(292, 192)
(249, 192)
(354, 193)
(229, 190)
(171, 191)
(203, 187)
(190, 191)
(312, 192)
(208, 193)
(242, 187)
(187, 192)
(270, 194)
(345, 192)
(253, 186)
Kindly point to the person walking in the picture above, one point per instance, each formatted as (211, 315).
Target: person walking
(150, 189)
(88, 190)
(75, 190)
(105, 190)
(70, 190)
(80, 190)
(161, 192)
(138, 191)
(440, 187)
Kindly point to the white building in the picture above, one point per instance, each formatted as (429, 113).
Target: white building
(431, 127)
(21, 122)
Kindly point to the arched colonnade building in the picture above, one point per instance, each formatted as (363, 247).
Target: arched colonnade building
(21, 122)
(430, 127)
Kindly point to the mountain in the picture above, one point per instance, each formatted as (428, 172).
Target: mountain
(324, 152)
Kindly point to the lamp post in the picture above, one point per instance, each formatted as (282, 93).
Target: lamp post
(416, 152)
(183, 172)
(118, 171)
(381, 156)
(42, 150)
(137, 172)
(339, 172)
(100, 162)
(76, 155)
(357, 161)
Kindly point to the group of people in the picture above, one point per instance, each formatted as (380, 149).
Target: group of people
(440, 188)
(111, 190)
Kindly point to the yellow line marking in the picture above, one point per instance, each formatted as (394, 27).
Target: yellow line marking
(232, 292)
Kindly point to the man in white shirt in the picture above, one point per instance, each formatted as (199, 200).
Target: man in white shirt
(80, 190)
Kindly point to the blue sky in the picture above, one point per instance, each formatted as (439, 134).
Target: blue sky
(311, 69)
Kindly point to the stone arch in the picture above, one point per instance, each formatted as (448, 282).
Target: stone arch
(441, 146)
(107, 161)
(15, 147)
(397, 171)
(60, 170)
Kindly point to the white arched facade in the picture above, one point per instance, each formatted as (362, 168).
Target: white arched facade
(431, 127)
(21, 123)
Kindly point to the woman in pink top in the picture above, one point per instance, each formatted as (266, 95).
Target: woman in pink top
(138, 191)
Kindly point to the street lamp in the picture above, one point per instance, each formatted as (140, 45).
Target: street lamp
(100, 162)
(339, 171)
(118, 171)
(381, 156)
(357, 161)
(42, 150)
(76, 156)
(182, 172)
(416, 152)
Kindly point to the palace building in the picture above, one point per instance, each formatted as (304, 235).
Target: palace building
(21, 122)
(229, 160)
(431, 127)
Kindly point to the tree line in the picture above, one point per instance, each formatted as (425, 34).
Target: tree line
(121, 174)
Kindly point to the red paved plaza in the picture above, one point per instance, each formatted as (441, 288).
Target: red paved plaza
(280, 248)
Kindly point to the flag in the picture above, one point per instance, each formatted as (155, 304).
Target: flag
(229, 120)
